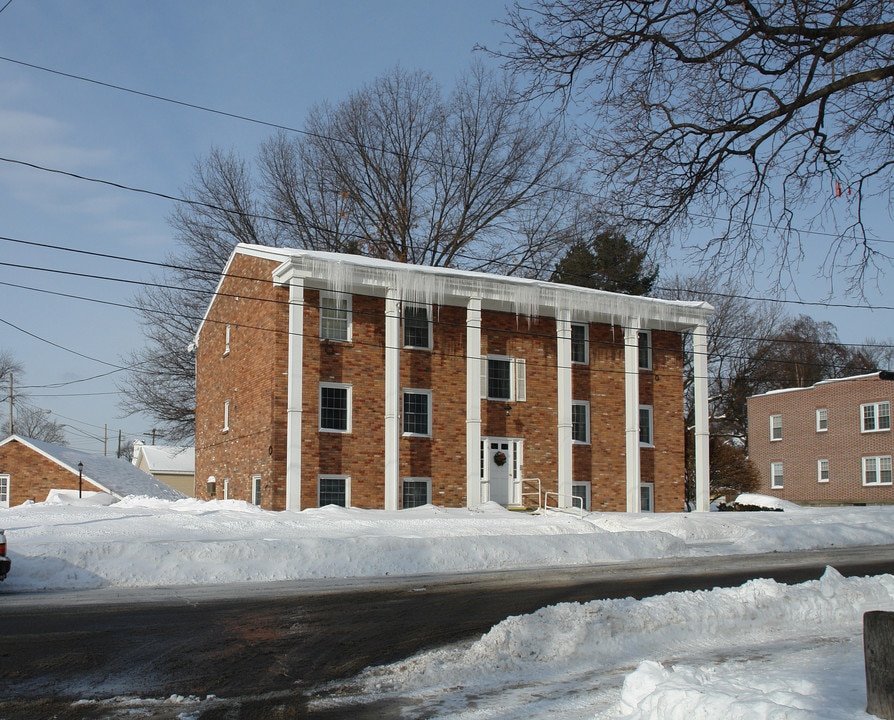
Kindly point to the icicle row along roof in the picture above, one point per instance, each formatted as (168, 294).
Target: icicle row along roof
(447, 286)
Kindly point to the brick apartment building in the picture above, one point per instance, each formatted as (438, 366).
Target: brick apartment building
(337, 379)
(829, 444)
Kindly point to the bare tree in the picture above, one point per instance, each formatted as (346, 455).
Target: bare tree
(397, 171)
(740, 329)
(744, 117)
(35, 423)
(222, 212)
(9, 366)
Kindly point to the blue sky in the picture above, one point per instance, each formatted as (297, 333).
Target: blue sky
(271, 60)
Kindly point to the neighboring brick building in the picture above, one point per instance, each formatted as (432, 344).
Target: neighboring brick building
(325, 378)
(829, 444)
(30, 469)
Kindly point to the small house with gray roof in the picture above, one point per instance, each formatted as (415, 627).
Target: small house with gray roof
(30, 469)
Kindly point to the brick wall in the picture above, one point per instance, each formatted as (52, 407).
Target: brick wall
(843, 444)
(32, 475)
(250, 377)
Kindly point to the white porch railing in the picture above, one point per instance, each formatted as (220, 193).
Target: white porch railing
(576, 502)
(538, 493)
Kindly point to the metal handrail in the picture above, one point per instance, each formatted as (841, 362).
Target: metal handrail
(538, 493)
(575, 500)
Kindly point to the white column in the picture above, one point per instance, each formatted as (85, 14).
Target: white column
(392, 399)
(473, 402)
(631, 412)
(563, 373)
(295, 396)
(700, 398)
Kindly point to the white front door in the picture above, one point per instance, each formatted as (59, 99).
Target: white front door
(502, 461)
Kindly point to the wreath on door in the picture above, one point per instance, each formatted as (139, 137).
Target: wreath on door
(500, 458)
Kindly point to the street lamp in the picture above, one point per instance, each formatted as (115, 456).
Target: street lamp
(80, 478)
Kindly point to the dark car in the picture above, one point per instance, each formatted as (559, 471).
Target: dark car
(5, 562)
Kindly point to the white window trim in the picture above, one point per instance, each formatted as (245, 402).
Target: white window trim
(226, 417)
(428, 315)
(773, 427)
(819, 471)
(586, 328)
(416, 391)
(5, 481)
(585, 404)
(350, 404)
(349, 319)
(518, 381)
(651, 442)
(328, 476)
(426, 480)
(227, 334)
(878, 470)
(876, 406)
(774, 475)
(819, 427)
(648, 335)
(256, 489)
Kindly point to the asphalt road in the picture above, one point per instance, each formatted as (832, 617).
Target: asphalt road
(268, 646)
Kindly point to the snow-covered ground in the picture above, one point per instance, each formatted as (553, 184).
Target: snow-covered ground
(763, 650)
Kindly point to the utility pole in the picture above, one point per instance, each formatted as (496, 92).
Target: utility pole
(12, 430)
(105, 440)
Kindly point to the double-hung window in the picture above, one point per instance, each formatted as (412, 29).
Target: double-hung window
(417, 326)
(875, 417)
(646, 436)
(776, 475)
(335, 316)
(581, 490)
(822, 419)
(415, 492)
(503, 378)
(647, 497)
(775, 427)
(417, 412)
(579, 343)
(580, 421)
(334, 490)
(877, 470)
(335, 407)
(822, 471)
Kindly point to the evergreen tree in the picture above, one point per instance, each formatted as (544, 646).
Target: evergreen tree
(607, 261)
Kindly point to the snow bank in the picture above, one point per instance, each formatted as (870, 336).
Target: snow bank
(695, 654)
(72, 543)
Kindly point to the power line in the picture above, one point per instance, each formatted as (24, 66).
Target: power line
(298, 131)
(172, 266)
(777, 340)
